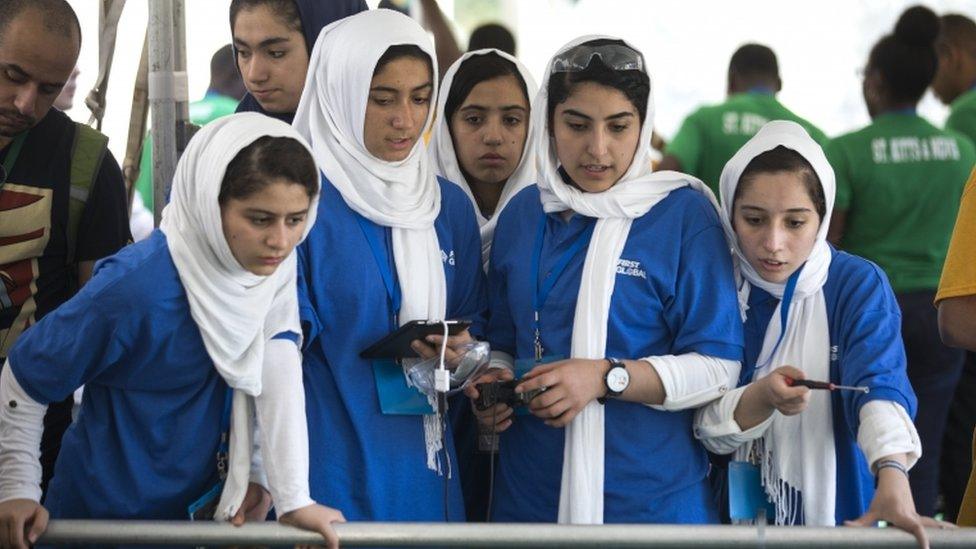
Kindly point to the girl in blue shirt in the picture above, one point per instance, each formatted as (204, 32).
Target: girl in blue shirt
(812, 312)
(179, 340)
(611, 288)
(393, 244)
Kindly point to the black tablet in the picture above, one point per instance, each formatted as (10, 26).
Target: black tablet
(397, 344)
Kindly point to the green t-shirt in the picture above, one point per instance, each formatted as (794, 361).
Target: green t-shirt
(900, 180)
(710, 136)
(202, 112)
(962, 115)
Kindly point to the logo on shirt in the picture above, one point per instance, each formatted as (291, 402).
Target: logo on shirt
(447, 257)
(745, 123)
(629, 267)
(833, 353)
(899, 150)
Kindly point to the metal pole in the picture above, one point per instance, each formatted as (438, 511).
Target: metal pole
(372, 534)
(166, 87)
(183, 127)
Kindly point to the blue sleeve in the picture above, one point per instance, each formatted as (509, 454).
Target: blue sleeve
(501, 326)
(468, 300)
(704, 313)
(69, 347)
(311, 324)
(873, 352)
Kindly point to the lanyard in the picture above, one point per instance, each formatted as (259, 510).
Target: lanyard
(12, 153)
(544, 286)
(383, 264)
(784, 313)
(224, 448)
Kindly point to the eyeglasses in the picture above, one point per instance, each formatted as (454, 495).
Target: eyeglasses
(616, 56)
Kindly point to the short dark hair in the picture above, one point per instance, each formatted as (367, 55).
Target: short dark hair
(492, 35)
(399, 52)
(779, 160)
(957, 30)
(475, 70)
(634, 84)
(906, 58)
(59, 18)
(754, 61)
(285, 10)
(264, 160)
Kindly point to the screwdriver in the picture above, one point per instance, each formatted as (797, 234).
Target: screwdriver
(810, 384)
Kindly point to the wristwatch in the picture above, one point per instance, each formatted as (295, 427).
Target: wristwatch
(616, 380)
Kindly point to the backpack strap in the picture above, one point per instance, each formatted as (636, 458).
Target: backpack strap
(87, 153)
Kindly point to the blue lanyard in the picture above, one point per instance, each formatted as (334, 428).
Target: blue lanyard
(224, 448)
(543, 285)
(383, 264)
(784, 312)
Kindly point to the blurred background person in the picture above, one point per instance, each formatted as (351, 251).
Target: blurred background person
(899, 182)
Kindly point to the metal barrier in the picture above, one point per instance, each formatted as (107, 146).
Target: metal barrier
(388, 534)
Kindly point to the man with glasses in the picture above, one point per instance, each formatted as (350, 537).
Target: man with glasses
(62, 197)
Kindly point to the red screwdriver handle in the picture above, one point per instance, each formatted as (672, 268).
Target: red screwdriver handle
(808, 383)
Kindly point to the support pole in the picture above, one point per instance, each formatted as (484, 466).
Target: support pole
(167, 90)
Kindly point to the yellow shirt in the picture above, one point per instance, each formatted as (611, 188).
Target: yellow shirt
(959, 271)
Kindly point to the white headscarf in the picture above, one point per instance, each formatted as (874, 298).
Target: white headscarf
(444, 157)
(581, 493)
(236, 311)
(797, 451)
(403, 195)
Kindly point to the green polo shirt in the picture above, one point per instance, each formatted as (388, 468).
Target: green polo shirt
(710, 136)
(962, 115)
(900, 180)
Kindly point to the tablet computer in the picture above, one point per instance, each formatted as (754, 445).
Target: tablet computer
(397, 344)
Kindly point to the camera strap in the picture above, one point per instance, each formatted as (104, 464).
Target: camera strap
(543, 285)
(383, 264)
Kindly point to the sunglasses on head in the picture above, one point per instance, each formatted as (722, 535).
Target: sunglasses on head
(615, 56)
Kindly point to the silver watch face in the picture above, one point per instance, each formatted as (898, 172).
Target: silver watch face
(617, 379)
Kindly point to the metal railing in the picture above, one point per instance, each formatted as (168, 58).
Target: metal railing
(388, 534)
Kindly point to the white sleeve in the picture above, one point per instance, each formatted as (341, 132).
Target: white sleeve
(716, 428)
(691, 379)
(21, 427)
(283, 427)
(258, 474)
(887, 429)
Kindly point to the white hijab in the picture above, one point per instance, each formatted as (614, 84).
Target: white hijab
(581, 493)
(797, 451)
(236, 311)
(444, 157)
(403, 195)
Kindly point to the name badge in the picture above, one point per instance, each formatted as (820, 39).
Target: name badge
(396, 397)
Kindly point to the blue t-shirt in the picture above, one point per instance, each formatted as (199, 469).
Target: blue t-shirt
(865, 349)
(144, 443)
(673, 294)
(369, 465)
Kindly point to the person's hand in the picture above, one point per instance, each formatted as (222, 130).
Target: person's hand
(317, 518)
(893, 503)
(22, 521)
(499, 417)
(777, 394)
(430, 347)
(569, 386)
(255, 507)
